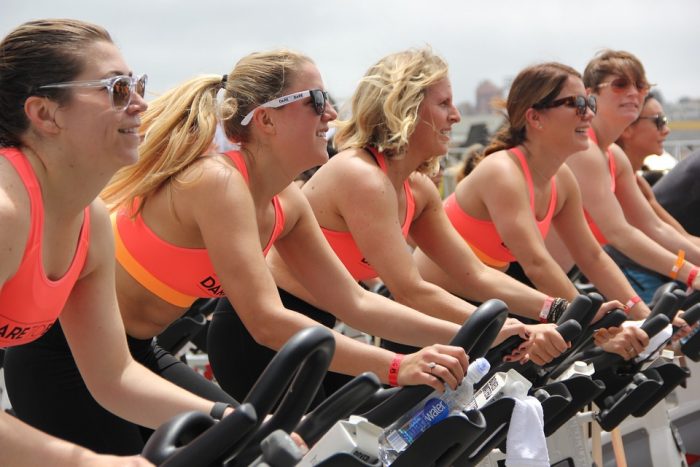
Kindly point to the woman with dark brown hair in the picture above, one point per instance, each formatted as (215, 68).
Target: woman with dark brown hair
(69, 115)
(505, 207)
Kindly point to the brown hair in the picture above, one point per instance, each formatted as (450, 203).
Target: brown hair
(180, 125)
(537, 84)
(613, 62)
(34, 54)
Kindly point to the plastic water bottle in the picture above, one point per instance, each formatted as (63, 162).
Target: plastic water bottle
(431, 410)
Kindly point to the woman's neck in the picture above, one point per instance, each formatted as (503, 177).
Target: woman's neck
(606, 132)
(636, 157)
(543, 161)
(267, 177)
(54, 174)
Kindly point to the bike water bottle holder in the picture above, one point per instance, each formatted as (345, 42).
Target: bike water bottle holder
(672, 375)
(583, 390)
(617, 407)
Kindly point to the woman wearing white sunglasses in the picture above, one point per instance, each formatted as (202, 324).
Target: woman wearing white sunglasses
(69, 115)
(192, 223)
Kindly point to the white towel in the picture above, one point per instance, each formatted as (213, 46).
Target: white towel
(526, 445)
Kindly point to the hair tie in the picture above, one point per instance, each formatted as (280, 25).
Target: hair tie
(224, 78)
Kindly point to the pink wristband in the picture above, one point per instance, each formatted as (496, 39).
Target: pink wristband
(691, 277)
(546, 306)
(632, 302)
(394, 369)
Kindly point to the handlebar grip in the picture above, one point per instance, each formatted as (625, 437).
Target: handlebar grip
(578, 309)
(569, 330)
(613, 319)
(667, 305)
(692, 314)
(496, 354)
(652, 326)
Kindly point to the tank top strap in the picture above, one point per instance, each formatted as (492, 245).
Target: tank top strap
(237, 159)
(610, 156)
(26, 173)
(528, 176)
(278, 227)
(378, 156)
(410, 200)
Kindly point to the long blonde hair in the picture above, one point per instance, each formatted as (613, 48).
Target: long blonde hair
(386, 102)
(180, 125)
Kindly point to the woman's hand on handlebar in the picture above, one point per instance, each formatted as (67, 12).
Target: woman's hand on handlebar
(606, 308)
(544, 345)
(435, 366)
(511, 327)
(603, 335)
(683, 328)
(629, 342)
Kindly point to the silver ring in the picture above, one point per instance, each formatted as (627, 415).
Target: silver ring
(431, 365)
(630, 351)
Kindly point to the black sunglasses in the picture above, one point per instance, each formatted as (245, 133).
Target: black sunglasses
(659, 120)
(318, 97)
(579, 102)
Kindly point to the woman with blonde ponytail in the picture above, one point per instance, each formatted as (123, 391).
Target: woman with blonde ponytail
(190, 222)
(505, 207)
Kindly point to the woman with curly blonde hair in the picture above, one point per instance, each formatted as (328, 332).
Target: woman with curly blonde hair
(374, 193)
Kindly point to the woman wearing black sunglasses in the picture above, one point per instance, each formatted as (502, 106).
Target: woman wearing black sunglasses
(69, 115)
(645, 137)
(506, 207)
(616, 209)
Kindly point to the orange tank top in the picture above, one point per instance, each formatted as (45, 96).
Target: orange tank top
(482, 236)
(345, 247)
(611, 166)
(30, 302)
(175, 274)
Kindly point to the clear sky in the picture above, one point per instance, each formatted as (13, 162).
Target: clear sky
(172, 40)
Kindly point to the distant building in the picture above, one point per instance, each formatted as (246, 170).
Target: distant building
(684, 109)
(486, 92)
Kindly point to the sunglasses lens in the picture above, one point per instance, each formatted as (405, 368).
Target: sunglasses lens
(620, 84)
(593, 104)
(661, 122)
(141, 85)
(121, 92)
(319, 100)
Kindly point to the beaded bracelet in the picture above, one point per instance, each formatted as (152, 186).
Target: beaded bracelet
(559, 305)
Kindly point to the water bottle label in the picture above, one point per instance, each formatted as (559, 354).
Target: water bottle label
(433, 412)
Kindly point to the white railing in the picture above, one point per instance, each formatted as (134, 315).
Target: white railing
(680, 148)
